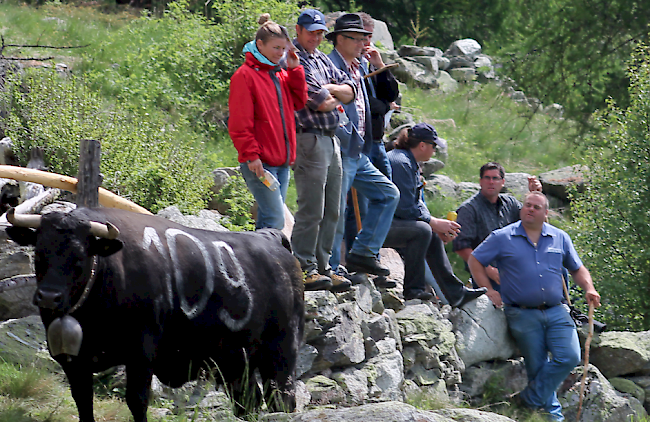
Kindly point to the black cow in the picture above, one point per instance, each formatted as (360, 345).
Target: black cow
(165, 299)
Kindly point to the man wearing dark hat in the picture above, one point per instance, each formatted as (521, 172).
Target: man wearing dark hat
(348, 38)
(414, 232)
(317, 169)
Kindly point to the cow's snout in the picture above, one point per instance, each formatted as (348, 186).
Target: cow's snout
(48, 299)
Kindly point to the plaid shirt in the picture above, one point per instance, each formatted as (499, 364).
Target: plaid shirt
(319, 70)
(359, 100)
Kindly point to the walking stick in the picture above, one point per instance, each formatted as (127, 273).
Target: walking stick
(586, 369)
(355, 205)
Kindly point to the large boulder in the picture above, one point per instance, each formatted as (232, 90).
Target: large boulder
(622, 352)
(381, 36)
(23, 343)
(557, 182)
(16, 297)
(468, 48)
(411, 72)
(509, 377)
(481, 332)
(414, 50)
(516, 184)
(602, 402)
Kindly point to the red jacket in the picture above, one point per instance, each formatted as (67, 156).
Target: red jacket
(254, 124)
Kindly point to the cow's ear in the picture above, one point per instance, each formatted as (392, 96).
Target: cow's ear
(22, 235)
(105, 247)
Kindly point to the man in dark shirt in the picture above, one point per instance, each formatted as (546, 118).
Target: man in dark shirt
(486, 211)
(414, 232)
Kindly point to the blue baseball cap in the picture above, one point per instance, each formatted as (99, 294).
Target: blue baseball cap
(428, 134)
(312, 20)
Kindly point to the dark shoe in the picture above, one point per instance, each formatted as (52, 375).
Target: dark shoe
(517, 400)
(422, 295)
(468, 296)
(340, 283)
(384, 283)
(317, 281)
(365, 264)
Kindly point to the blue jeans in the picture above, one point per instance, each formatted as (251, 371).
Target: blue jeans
(537, 333)
(270, 204)
(379, 159)
(383, 197)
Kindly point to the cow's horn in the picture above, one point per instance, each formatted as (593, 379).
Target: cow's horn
(23, 220)
(107, 231)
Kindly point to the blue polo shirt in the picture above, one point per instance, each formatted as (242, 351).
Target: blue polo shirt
(530, 276)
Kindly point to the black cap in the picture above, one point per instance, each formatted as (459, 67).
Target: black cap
(350, 22)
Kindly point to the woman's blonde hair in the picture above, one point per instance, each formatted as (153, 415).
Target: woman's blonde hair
(270, 29)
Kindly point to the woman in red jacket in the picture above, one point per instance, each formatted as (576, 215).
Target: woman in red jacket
(263, 97)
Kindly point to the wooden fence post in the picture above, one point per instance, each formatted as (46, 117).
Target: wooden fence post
(89, 178)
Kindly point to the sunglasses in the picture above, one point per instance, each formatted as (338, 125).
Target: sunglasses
(357, 40)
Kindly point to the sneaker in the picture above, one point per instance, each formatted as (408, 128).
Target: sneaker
(366, 264)
(340, 283)
(315, 281)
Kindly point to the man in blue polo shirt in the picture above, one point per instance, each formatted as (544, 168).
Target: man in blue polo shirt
(530, 255)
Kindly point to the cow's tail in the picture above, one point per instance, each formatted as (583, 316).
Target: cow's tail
(276, 234)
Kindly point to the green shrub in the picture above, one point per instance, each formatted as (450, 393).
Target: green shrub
(612, 222)
(144, 158)
(239, 199)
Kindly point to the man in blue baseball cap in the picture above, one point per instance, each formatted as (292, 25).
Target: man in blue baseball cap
(317, 169)
(417, 235)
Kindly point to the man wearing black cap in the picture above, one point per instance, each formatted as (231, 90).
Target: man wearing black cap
(317, 169)
(414, 232)
(348, 38)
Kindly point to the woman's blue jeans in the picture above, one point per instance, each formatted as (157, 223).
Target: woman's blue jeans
(270, 204)
(537, 333)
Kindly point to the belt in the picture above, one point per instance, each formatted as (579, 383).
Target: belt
(323, 132)
(540, 307)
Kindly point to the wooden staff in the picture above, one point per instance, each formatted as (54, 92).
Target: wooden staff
(586, 368)
(355, 205)
(383, 69)
(106, 197)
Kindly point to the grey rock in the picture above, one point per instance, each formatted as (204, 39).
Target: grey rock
(324, 390)
(465, 190)
(554, 111)
(306, 357)
(431, 166)
(446, 83)
(472, 415)
(385, 374)
(381, 36)
(14, 259)
(411, 72)
(388, 56)
(354, 383)
(59, 206)
(621, 352)
(601, 403)
(628, 386)
(463, 74)
(467, 47)
(206, 220)
(518, 96)
(16, 297)
(536, 105)
(481, 332)
(557, 182)
(440, 186)
(443, 63)
(516, 184)
(429, 62)
(220, 177)
(321, 313)
(377, 412)
(414, 50)
(484, 69)
(23, 343)
(460, 62)
(343, 344)
(509, 377)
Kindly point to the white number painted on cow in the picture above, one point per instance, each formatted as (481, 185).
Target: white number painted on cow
(150, 237)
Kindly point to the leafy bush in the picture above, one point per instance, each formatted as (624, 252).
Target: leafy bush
(181, 62)
(239, 199)
(144, 159)
(612, 221)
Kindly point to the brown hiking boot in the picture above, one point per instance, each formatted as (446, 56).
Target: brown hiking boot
(340, 283)
(315, 281)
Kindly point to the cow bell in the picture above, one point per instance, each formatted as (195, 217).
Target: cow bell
(64, 336)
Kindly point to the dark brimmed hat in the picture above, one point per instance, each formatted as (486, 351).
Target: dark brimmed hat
(312, 20)
(427, 133)
(350, 22)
